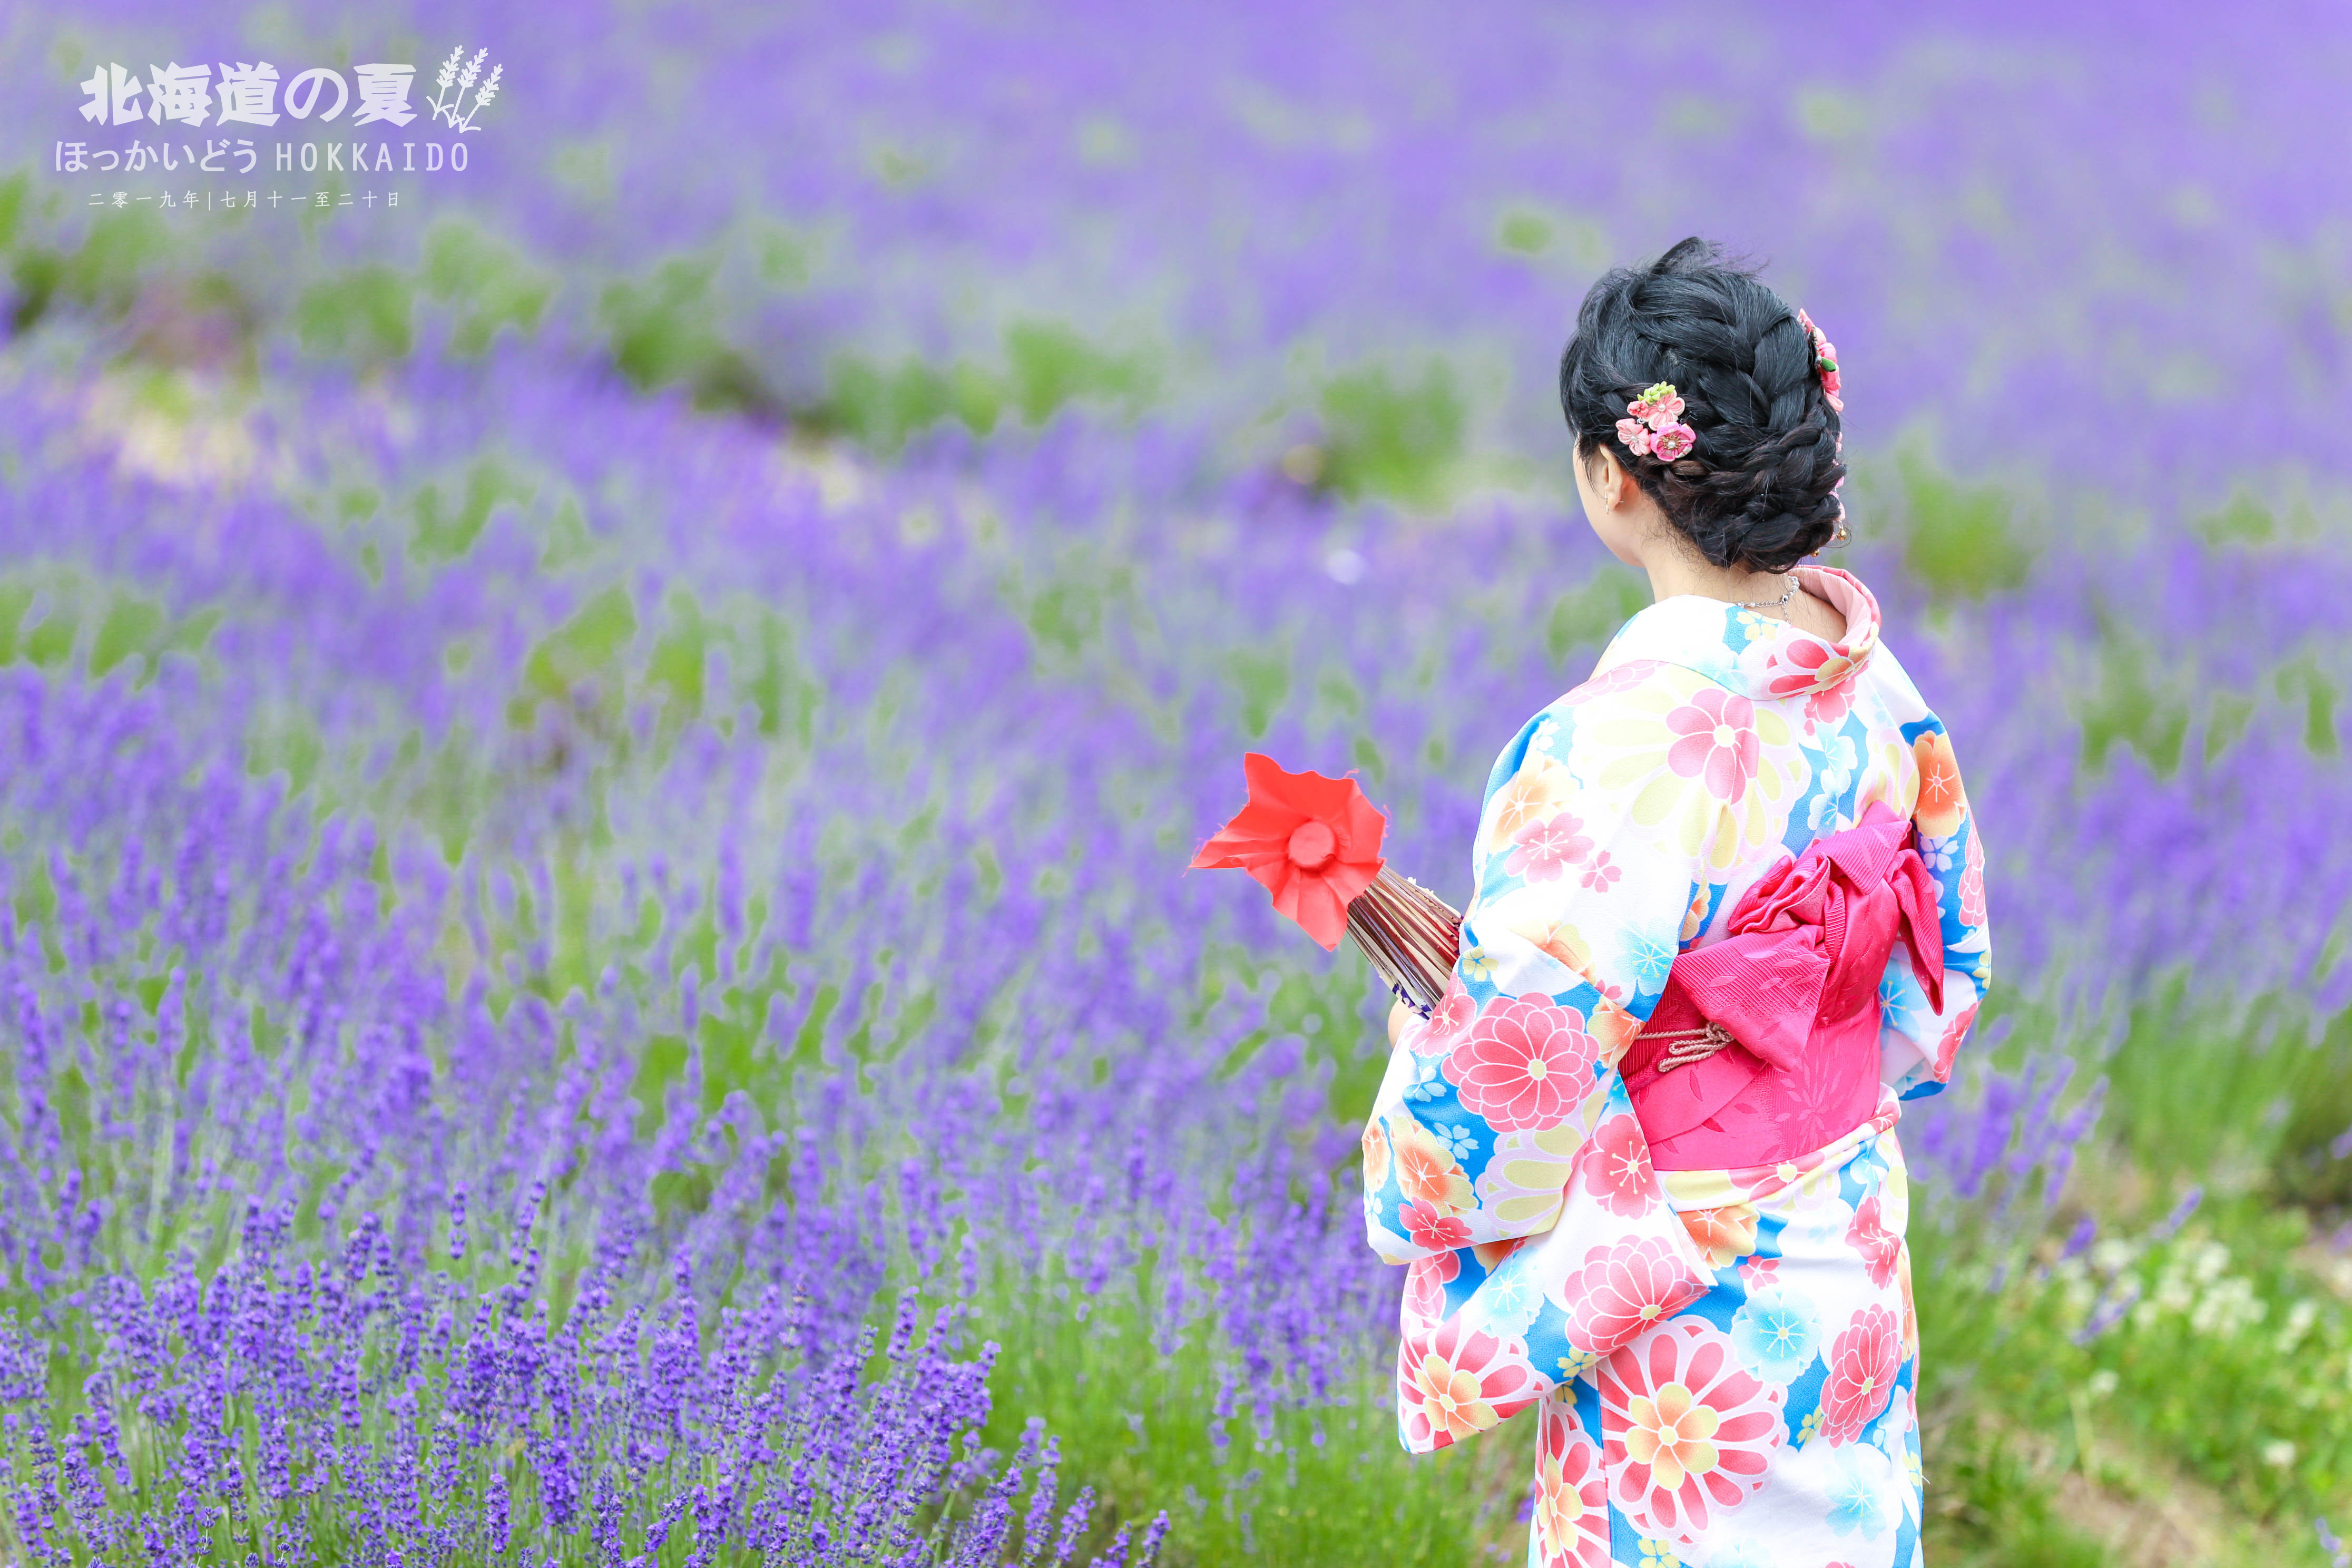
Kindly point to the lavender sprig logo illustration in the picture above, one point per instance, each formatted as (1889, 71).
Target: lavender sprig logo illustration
(440, 102)
(453, 83)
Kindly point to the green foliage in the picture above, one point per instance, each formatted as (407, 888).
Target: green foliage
(2311, 1163)
(2227, 714)
(13, 193)
(1047, 367)
(882, 407)
(1048, 364)
(1066, 615)
(783, 259)
(786, 697)
(1589, 615)
(1959, 539)
(131, 624)
(679, 658)
(2190, 1092)
(1261, 678)
(1323, 1486)
(445, 529)
(2230, 1363)
(1391, 439)
(366, 313)
(101, 274)
(608, 658)
(665, 332)
(2129, 706)
(2243, 521)
(448, 792)
(15, 598)
(1537, 231)
(580, 661)
(2302, 681)
(2213, 1389)
(1525, 231)
(122, 626)
(1994, 1507)
(287, 743)
(2134, 698)
(489, 285)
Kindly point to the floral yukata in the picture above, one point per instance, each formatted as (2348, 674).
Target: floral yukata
(1722, 1362)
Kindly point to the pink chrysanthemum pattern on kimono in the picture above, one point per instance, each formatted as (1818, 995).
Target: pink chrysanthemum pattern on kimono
(1570, 1522)
(1617, 1168)
(1622, 1289)
(1461, 1382)
(1690, 1433)
(1524, 1065)
(1862, 1374)
(1690, 1334)
(1425, 1279)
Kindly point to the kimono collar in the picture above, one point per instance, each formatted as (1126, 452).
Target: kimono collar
(1754, 654)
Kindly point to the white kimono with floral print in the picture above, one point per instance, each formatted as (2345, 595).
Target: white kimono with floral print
(1724, 1360)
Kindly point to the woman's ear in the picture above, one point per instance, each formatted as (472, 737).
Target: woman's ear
(1608, 477)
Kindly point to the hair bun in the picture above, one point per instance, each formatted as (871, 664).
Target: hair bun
(1758, 487)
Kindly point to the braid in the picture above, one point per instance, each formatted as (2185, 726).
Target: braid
(1758, 487)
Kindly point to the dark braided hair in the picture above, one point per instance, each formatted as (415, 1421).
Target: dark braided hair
(1759, 489)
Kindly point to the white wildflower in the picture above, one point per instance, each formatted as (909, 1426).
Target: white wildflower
(2299, 1320)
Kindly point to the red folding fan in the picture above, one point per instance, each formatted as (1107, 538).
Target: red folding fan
(1314, 844)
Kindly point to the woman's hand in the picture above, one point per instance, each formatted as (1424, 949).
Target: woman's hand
(1398, 1017)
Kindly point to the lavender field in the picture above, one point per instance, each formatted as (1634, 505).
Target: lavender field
(595, 769)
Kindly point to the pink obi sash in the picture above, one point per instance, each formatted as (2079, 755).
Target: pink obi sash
(1764, 1045)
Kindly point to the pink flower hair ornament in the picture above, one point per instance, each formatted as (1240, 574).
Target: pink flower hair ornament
(1653, 425)
(1825, 360)
(1825, 366)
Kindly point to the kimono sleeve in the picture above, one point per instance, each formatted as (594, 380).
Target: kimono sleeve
(1918, 1040)
(1503, 1124)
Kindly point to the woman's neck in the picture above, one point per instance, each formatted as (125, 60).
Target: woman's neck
(1674, 572)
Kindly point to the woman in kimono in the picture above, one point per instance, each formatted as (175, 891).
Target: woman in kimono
(1641, 1161)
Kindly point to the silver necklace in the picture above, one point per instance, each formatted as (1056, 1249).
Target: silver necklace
(1786, 594)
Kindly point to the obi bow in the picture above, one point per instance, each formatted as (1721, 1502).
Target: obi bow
(1798, 969)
